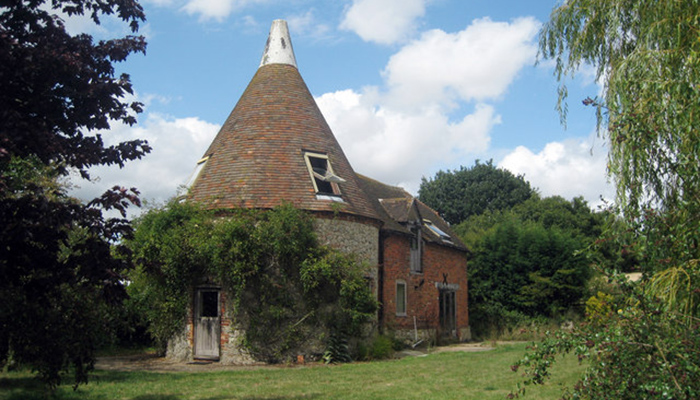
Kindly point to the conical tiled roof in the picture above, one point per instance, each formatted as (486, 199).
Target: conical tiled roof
(257, 160)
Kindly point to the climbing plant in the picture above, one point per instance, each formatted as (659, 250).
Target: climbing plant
(283, 287)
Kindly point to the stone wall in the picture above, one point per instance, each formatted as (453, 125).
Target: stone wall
(179, 346)
(351, 236)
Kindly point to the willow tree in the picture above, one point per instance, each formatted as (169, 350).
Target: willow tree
(646, 56)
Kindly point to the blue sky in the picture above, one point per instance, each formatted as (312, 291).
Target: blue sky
(409, 87)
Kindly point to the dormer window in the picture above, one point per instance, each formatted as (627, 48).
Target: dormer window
(437, 231)
(324, 180)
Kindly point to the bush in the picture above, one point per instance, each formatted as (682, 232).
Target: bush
(380, 347)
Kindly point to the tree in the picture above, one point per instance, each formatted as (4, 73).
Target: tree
(526, 261)
(459, 194)
(58, 268)
(647, 58)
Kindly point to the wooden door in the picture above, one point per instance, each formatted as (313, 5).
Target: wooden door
(207, 324)
(448, 313)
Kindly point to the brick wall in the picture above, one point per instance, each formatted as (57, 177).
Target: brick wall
(422, 293)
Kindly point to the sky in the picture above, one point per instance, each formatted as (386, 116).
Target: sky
(408, 87)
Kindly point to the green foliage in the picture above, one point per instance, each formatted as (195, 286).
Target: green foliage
(600, 308)
(282, 287)
(520, 268)
(574, 217)
(648, 55)
(337, 350)
(59, 277)
(459, 194)
(638, 353)
(526, 263)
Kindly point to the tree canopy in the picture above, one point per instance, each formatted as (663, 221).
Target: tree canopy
(527, 262)
(459, 194)
(58, 269)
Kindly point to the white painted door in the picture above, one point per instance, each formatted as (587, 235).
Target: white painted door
(207, 324)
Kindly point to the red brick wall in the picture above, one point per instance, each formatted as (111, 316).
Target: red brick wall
(422, 295)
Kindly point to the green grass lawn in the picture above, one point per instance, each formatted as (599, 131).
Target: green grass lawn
(459, 375)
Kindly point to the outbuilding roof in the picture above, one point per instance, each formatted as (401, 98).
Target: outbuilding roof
(398, 210)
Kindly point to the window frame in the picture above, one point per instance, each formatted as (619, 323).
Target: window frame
(196, 172)
(442, 235)
(336, 194)
(416, 253)
(403, 301)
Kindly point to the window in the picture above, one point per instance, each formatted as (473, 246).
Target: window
(416, 249)
(401, 298)
(197, 170)
(209, 303)
(321, 173)
(437, 231)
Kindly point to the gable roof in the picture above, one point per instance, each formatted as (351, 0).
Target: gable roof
(397, 209)
(257, 158)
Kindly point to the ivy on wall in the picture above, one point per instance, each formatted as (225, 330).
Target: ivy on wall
(283, 287)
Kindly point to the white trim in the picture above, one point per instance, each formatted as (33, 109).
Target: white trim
(330, 177)
(197, 170)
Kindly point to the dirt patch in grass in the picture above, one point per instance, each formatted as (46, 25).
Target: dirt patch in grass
(153, 363)
(149, 361)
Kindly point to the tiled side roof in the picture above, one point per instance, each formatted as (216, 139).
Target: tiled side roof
(396, 206)
(257, 158)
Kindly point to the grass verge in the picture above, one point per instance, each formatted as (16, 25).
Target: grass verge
(449, 375)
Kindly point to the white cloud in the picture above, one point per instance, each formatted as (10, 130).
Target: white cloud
(477, 63)
(210, 9)
(307, 24)
(216, 9)
(410, 129)
(576, 167)
(177, 145)
(396, 147)
(383, 21)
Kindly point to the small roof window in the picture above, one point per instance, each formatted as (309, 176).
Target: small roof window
(321, 173)
(195, 173)
(437, 231)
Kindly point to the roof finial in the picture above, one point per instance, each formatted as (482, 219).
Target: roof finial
(278, 49)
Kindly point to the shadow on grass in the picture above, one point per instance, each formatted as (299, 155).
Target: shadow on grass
(28, 388)
(26, 383)
(123, 376)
